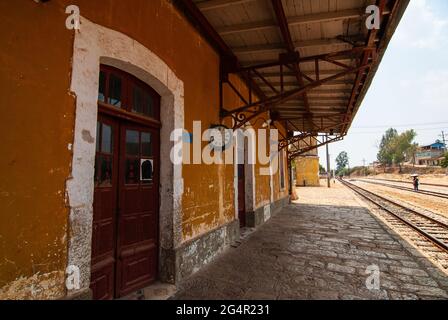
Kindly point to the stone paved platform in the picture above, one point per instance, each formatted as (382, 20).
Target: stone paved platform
(318, 248)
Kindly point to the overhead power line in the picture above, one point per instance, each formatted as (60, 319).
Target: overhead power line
(403, 125)
(417, 130)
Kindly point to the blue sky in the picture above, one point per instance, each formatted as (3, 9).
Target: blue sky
(410, 90)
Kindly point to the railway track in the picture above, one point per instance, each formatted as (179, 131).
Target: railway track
(424, 192)
(428, 229)
(409, 182)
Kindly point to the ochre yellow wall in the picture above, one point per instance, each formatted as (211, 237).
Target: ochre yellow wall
(37, 119)
(37, 116)
(280, 193)
(262, 182)
(307, 168)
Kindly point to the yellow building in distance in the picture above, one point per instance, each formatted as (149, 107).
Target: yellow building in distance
(307, 165)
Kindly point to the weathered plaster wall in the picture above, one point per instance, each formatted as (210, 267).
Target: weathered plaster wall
(307, 166)
(37, 119)
(268, 187)
(280, 193)
(307, 169)
(38, 116)
(262, 189)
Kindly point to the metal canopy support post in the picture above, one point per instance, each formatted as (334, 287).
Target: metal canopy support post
(290, 175)
(328, 164)
(249, 111)
(300, 151)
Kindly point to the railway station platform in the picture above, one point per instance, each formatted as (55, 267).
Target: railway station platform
(319, 247)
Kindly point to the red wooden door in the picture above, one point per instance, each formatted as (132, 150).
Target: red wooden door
(137, 248)
(126, 202)
(241, 195)
(105, 208)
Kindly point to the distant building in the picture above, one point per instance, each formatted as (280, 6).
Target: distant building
(430, 155)
(307, 165)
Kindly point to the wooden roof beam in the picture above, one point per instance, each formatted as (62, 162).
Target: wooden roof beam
(295, 58)
(290, 47)
(295, 21)
(294, 94)
(219, 4)
(322, 106)
(326, 99)
(294, 84)
(316, 104)
(314, 92)
(371, 41)
(279, 47)
(200, 22)
(308, 73)
(327, 117)
(302, 114)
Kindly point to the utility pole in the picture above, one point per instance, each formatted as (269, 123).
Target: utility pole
(446, 148)
(328, 165)
(443, 139)
(364, 167)
(348, 164)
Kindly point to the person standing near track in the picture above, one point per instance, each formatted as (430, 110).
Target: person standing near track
(416, 183)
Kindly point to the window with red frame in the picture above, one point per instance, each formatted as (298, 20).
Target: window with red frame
(127, 93)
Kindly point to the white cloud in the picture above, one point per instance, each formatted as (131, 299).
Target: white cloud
(435, 89)
(422, 28)
(429, 91)
(405, 83)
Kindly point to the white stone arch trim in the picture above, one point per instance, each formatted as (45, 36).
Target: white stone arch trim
(93, 45)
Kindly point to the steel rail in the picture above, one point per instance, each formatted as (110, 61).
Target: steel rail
(442, 245)
(425, 192)
(400, 205)
(409, 182)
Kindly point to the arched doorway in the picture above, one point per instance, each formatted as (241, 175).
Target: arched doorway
(125, 236)
(113, 50)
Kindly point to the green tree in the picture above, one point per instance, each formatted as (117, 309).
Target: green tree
(411, 153)
(385, 154)
(402, 146)
(322, 170)
(341, 162)
(445, 161)
(396, 148)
